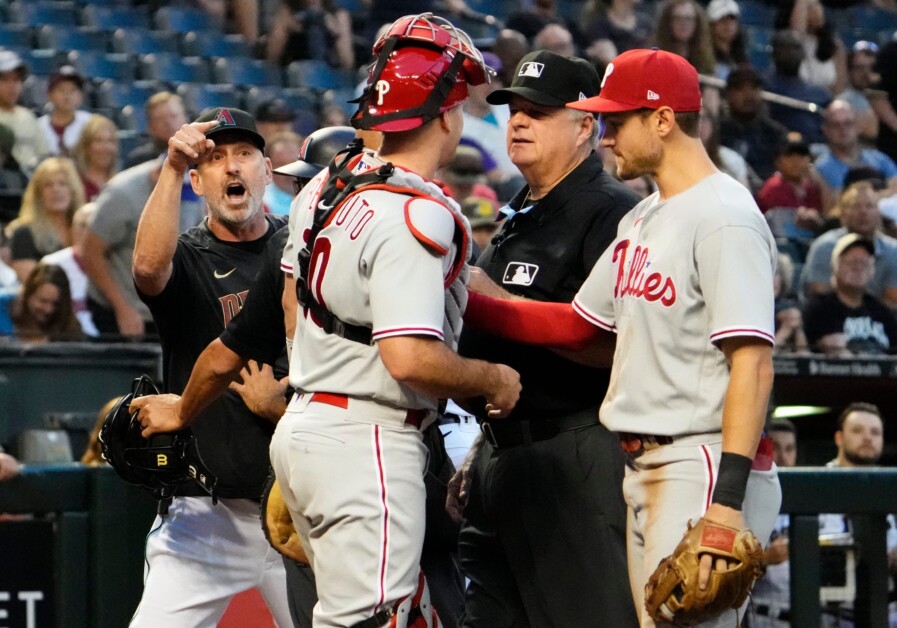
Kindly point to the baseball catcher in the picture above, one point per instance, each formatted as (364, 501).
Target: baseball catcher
(159, 463)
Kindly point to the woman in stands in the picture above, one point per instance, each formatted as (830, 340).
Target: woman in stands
(44, 224)
(43, 312)
(682, 28)
(96, 154)
(825, 58)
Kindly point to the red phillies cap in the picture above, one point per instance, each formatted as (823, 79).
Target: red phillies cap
(645, 79)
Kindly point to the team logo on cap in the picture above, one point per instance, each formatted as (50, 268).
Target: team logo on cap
(582, 96)
(532, 69)
(520, 274)
(382, 88)
(653, 95)
(607, 72)
(225, 118)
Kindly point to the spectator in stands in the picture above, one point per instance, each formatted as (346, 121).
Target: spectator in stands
(784, 79)
(557, 39)
(794, 191)
(728, 36)
(724, 157)
(859, 213)
(682, 28)
(790, 336)
(510, 47)
(333, 114)
(824, 62)
(482, 212)
(274, 116)
(9, 466)
(842, 137)
(93, 453)
(43, 312)
(13, 179)
(746, 128)
(244, 15)
(849, 321)
(44, 224)
(884, 98)
(69, 260)
(860, 63)
(532, 18)
(165, 114)
(771, 596)
(465, 175)
(62, 126)
(30, 145)
(617, 29)
(311, 29)
(281, 149)
(96, 154)
(108, 246)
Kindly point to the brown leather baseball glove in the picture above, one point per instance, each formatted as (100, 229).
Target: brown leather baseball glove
(278, 524)
(672, 594)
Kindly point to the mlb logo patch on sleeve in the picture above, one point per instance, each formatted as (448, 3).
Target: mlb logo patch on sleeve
(520, 274)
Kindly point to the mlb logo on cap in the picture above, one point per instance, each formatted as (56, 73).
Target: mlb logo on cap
(531, 68)
(646, 79)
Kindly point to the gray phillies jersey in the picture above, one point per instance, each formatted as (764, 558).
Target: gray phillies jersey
(683, 274)
(371, 268)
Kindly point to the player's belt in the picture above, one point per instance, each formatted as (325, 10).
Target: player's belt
(636, 444)
(412, 417)
(506, 433)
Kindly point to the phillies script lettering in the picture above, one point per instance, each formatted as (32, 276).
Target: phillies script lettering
(636, 281)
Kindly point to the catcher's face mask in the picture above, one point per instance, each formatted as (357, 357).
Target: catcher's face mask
(160, 463)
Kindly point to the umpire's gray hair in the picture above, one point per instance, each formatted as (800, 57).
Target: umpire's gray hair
(578, 116)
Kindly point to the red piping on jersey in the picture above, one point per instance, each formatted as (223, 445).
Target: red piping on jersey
(592, 318)
(429, 331)
(381, 580)
(419, 235)
(708, 459)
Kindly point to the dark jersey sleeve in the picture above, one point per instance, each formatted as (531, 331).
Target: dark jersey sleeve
(258, 331)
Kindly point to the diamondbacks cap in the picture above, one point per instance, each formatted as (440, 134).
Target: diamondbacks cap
(850, 240)
(235, 122)
(645, 79)
(549, 79)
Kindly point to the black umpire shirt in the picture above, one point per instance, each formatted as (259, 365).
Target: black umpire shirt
(545, 254)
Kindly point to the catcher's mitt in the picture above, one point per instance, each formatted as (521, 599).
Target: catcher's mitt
(277, 523)
(158, 464)
(672, 594)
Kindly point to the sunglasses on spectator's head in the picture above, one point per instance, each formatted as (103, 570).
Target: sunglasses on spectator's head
(866, 46)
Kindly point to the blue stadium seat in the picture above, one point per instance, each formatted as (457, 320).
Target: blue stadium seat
(34, 92)
(183, 20)
(128, 140)
(40, 12)
(755, 13)
(212, 44)
(872, 18)
(16, 37)
(258, 94)
(43, 61)
(103, 65)
(141, 41)
(317, 75)
(130, 118)
(116, 95)
(174, 69)
(65, 37)
(247, 72)
(200, 96)
(112, 17)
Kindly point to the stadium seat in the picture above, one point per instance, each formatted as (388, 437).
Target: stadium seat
(130, 118)
(212, 44)
(103, 65)
(172, 68)
(317, 75)
(243, 71)
(116, 95)
(183, 20)
(34, 92)
(258, 94)
(65, 37)
(140, 41)
(128, 140)
(112, 17)
(200, 96)
(40, 12)
(43, 61)
(16, 37)
(755, 13)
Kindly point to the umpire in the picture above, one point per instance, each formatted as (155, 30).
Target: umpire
(543, 536)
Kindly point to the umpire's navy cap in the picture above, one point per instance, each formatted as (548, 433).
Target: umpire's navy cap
(232, 122)
(550, 79)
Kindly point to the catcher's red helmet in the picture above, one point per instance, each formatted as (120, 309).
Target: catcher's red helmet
(422, 68)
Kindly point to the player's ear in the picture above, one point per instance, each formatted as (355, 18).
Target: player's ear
(196, 182)
(269, 170)
(664, 120)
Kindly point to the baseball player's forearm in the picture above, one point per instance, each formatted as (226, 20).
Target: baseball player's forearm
(428, 365)
(214, 370)
(157, 233)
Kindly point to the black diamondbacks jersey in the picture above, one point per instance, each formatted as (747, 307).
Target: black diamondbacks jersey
(209, 283)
